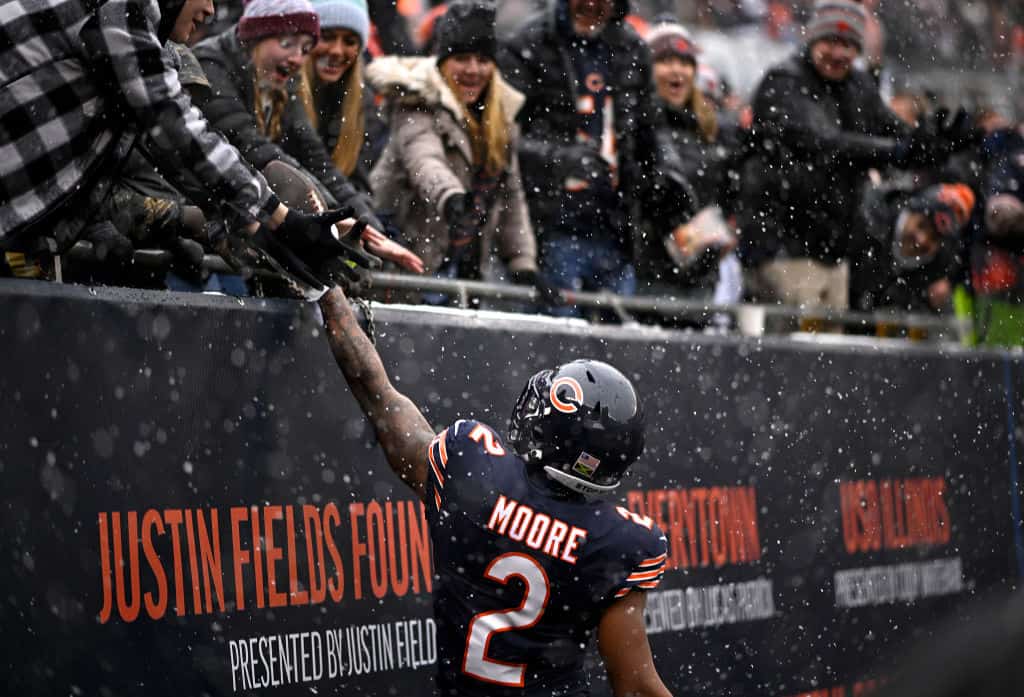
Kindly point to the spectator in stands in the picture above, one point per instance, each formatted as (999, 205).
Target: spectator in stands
(917, 236)
(999, 258)
(687, 260)
(65, 155)
(342, 109)
(450, 172)
(909, 106)
(257, 96)
(589, 147)
(819, 127)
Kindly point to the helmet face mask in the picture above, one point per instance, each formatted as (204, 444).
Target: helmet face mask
(581, 423)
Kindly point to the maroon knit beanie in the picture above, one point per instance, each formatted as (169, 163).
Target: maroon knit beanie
(263, 18)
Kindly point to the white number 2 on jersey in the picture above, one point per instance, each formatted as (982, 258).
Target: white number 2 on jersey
(485, 624)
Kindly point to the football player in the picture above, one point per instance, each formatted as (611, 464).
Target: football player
(531, 561)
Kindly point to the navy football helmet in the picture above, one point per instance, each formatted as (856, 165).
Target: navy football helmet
(582, 423)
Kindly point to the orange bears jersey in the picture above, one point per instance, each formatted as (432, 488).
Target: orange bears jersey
(524, 574)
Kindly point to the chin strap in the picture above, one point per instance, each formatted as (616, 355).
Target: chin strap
(576, 484)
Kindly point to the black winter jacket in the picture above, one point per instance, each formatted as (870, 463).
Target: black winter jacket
(229, 107)
(710, 168)
(892, 285)
(537, 62)
(328, 100)
(814, 143)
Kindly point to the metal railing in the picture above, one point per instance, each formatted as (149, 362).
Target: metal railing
(745, 319)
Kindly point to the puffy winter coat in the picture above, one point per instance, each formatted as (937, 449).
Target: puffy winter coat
(537, 62)
(429, 159)
(229, 107)
(815, 141)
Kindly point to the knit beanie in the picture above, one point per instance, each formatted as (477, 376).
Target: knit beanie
(467, 27)
(263, 18)
(844, 19)
(947, 206)
(1004, 216)
(344, 14)
(670, 39)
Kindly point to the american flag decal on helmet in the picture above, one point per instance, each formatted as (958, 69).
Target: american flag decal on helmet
(586, 464)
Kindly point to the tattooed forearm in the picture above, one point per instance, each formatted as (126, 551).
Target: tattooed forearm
(401, 429)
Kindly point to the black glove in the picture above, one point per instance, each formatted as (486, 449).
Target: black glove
(454, 208)
(581, 161)
(548, 293)
(922, 148)
(187, 259)
(958, 131)
(306, 246)
(109, 247)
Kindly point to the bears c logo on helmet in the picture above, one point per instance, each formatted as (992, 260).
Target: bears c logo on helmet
(575, 399)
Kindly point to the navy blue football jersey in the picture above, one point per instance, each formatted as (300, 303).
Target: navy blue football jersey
(523, 576)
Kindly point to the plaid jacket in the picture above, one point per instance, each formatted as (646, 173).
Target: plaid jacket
(79, 79)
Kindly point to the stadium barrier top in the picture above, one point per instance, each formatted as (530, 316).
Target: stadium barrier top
(747, 319)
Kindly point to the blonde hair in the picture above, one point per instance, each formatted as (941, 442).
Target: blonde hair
(350, 140)
(707, 119)
(278, 99)
(488, 136)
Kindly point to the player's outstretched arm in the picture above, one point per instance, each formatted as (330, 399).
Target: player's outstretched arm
(401, 428)
(622, 641)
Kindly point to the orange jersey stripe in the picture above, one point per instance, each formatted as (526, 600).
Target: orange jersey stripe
(649, 584)
(433, 466)
(442, 448)
(654, 560)
(644, 575)
(621, 593)
(437, 500)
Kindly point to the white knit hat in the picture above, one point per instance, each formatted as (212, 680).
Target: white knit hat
(344, 14)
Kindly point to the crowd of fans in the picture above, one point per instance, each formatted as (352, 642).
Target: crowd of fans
(588, 150)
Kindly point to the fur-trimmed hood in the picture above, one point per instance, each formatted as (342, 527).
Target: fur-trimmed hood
(416, 81)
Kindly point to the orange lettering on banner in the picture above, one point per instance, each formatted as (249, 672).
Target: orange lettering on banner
(273, 554)
(239, 555)
(193, 566)
(210, 559)
(295, 596)
(858, 689)
(399, 541)
(419, 538)
(128, 610)
(390, 544)
(894, 514)
(105, 577)
(355, 512)
(257, 554)
(336, 586)
(705, 526)
(173, 519)
(376, 548)
(317, 569)
(155, 608)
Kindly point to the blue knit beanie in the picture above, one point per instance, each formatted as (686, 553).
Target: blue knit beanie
(344, 14)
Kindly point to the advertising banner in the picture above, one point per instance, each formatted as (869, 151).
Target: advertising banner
(192, 502)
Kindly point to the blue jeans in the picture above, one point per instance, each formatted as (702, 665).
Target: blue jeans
(591, 265)
(228, 284)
